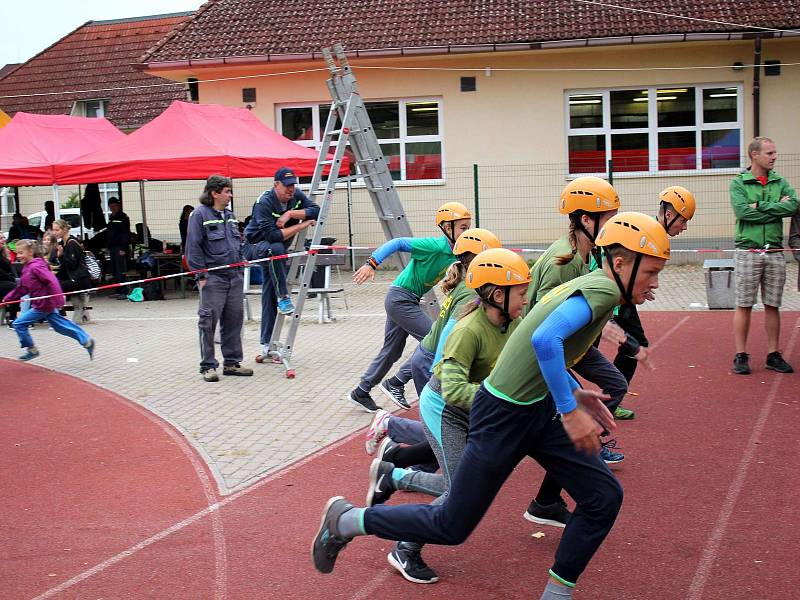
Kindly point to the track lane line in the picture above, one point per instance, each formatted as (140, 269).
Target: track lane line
(711, 549)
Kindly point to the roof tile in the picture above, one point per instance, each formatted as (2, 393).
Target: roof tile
(97, 55)
(236, 28)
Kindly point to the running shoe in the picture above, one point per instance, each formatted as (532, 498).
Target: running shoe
(386, 450)
(775, 362)
(363, 400)
(378, 429)
(328, 543)
(381, 486)
(741, 363)
(623, 414)
(609, 455)
(285, 306)
(409, 562)
(30, 354)
(397, 394)
(556, 514)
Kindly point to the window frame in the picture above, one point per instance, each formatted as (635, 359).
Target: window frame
(79, 108)
(402, 140)
(653, 129)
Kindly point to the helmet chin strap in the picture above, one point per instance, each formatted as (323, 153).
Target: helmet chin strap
(592, 236)
(664, 212)
(452, 235)
(627, 294)
(503, 309)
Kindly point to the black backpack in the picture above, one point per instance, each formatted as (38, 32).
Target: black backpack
(152, 291)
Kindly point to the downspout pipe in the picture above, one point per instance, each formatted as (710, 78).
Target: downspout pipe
(757, 87)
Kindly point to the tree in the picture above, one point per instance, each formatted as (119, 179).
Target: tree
(74, 201)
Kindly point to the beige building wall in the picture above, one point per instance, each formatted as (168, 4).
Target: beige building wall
(513, 127)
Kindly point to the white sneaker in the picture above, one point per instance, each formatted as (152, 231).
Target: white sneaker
(378, 430)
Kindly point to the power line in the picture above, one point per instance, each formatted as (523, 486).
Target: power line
(684, 17)
(155, 85)
(397, 68)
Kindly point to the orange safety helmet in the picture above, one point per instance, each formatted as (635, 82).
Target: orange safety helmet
(476, 240)
(681, 199)
(589, 194)
(452, 211)
(637, 232)
(497, 266)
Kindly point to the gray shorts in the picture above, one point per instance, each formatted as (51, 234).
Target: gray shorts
(754, 270)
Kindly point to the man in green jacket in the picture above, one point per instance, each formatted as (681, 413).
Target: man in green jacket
(761, 199)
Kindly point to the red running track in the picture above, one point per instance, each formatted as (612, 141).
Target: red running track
(710, 506)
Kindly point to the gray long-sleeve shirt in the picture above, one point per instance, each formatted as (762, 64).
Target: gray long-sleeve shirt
(212, 238)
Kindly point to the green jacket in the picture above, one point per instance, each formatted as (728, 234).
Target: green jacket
(762, 226)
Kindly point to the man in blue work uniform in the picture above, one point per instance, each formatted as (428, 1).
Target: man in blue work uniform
(278, 215)
(213, 240)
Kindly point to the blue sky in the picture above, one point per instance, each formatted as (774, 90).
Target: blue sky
(33, 25)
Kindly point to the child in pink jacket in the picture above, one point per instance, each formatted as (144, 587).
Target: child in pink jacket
(38, 280)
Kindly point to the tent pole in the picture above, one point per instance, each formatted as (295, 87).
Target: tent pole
(145, 236)
(56, 202)
(80, 212)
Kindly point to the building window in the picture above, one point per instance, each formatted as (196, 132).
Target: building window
(655, 129)
(90, 108)
(409, 132)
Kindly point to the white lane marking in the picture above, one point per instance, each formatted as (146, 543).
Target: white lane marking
(670, 331)
(212, 509)
(714, 542)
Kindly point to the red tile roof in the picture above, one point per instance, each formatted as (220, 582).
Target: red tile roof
(240, 28)
(97, 55)
(8, 68)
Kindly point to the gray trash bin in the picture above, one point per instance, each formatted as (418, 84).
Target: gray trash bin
(720, 290)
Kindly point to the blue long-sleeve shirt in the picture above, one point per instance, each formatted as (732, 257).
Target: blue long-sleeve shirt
(268, 209)
(548, 343)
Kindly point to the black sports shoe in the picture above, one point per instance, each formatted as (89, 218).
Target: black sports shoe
(556, 514)
(363, 400)
(776, 363)
(381, 486)
(396, 393)
(741, 363)
(328, 543)
(410, 564)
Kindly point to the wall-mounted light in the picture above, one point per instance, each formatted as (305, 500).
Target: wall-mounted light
(737, 66)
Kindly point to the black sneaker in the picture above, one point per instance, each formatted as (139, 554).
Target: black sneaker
(410, 564)
(363, 400)
(381, 486)
(396, 393)
(776, 363)
(556, 514)
(741, 363)
(328, 543)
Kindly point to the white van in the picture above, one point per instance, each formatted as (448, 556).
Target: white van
(70, 215)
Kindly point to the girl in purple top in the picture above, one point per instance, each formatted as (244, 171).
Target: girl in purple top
(38, 280)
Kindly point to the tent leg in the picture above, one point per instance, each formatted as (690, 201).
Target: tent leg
(56, 201)
(145, 235)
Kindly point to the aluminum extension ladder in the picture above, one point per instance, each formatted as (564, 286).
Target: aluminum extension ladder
(348, 123)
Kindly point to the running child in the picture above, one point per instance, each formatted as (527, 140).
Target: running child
(515, 413)
(38, 280)
(430, 258)
(500, 280)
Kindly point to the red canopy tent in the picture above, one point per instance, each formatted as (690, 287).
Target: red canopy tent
(32, 145)
(193, 141)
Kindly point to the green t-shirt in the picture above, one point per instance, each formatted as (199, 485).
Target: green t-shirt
(474, 344)
(546, 274)
(517, 377)
(451, 305)
(430, 258)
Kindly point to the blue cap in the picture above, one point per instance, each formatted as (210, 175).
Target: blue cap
(286, 176)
